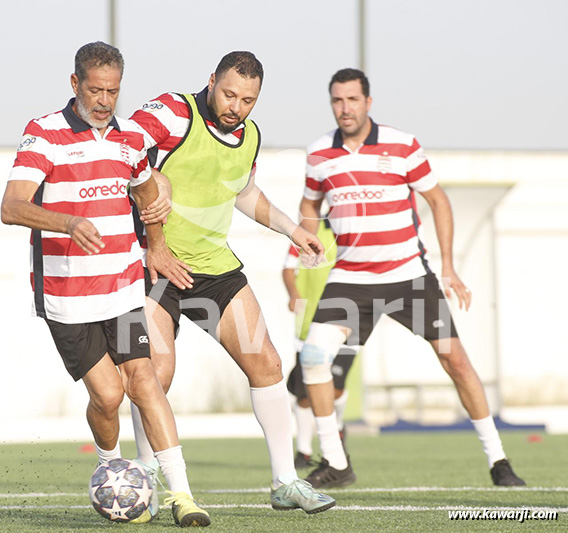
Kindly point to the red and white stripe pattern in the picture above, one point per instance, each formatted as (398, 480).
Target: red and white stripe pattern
(372, 206)
(83, 174)
(292, 258)
(165, 120)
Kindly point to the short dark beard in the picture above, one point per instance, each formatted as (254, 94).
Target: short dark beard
(215, 118)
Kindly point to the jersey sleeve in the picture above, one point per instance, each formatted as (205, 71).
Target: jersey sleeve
(34, 157)
(162, 119)
(313, 189)
(141, 170)
(418, 172)
(292, 258)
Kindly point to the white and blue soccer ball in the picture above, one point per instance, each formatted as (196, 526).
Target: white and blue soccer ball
(120, 490)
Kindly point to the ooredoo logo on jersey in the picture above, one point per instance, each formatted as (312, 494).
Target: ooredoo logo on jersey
(98, 191)
(360, 195)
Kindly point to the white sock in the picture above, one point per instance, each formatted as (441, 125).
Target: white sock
(107, 455)
(490, 440)
(330, 443)
(271, 406)
(173, 467)
(339, 405)
(145, 452)
(305, 425)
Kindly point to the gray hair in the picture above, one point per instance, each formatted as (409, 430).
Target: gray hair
(96, 55)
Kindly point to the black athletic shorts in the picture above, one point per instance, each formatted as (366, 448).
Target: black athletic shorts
(339, 370)
(82, 346)
(203, 304)
(418, 304)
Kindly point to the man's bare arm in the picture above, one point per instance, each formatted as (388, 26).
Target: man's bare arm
(18, 209)
(444, 222)
(161, 207)
(159, 258)
(254, 204)
(289, 278)
(310, 213)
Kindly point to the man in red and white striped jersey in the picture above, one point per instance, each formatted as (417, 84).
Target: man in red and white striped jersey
(369, 174)
(69, 184)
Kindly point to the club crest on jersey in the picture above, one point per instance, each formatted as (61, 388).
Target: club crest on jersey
(125, 153)
(27, 142)
(384, 164)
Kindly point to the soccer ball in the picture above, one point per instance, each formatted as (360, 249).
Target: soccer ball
(120, 490)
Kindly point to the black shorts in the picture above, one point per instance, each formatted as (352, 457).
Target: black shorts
(339, 370)
(82, 346)
(204, 304)
(418, 304)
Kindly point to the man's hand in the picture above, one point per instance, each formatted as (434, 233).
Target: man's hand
(157, 200)
(312, 249)
(295, 301)
(85, 235)
(450, 280)
(161, 260)
(158, 210)
(297, 305)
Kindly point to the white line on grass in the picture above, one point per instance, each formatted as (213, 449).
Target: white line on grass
(456, 489)
(403, 489)
(411, 508)
(403, 508)
(45, 495)
(264, 490)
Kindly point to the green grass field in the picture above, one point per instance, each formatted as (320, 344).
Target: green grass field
(406, 482)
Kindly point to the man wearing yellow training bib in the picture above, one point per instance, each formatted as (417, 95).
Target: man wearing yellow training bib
(305, 287)
(207, 147)
(207, 174)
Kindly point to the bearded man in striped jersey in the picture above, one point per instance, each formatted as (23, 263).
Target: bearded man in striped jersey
(69, 185)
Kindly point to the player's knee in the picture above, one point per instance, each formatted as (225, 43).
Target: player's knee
(270, 366)
(141, 382)
(319, 350)
(314, 374)
(264, 366)
(461, 366)
(457, 364)
(271, 358)
(338, 393)
(303, 402)
(108, 401)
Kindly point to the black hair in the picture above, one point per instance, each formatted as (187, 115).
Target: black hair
(351, 74)
(245, 63)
